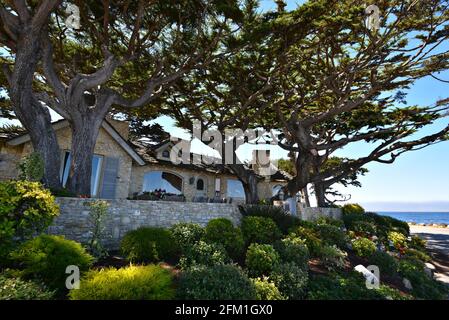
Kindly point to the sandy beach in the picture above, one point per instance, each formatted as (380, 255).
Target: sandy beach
(438, 243)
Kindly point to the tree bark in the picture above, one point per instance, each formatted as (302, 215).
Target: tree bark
(320, 194)
(305, 193)
(31, 113)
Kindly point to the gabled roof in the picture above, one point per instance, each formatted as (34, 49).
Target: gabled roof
(60, 124)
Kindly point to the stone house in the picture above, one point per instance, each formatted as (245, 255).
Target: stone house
(123, 169)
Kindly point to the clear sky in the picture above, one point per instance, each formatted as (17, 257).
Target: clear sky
(417, 181)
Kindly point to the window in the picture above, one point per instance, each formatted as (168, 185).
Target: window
(200, 184)
(235, 189)
(276, 190)
(167, 181)
(166, 154)
(97, 162)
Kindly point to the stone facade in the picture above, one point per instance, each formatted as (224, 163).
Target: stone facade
(125, 215)
(311, 214)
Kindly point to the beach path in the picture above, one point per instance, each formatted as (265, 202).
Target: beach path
(438, 244)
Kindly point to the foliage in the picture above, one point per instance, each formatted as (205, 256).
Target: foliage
(291, 280)
(148, 244)
(352, 209)
(364, 228)
(418, 254)
(13, 288)
(330, 221)
(350, 220)
(259, 229)
(46, 258)
(311, 238)
(349, 286)
(220, 282)
(284, 220)
(26, 208)
(397, 239)
(385, 224)
(417, 243)
(266, 289)
(363, 247)
(293, 249)
(31, 168)
(186, 234)
(223, 232)
(332, 257)
(97, 215)
(386, 263)
(203, 254)
(150, 282)
(261, 259)
(331, 235)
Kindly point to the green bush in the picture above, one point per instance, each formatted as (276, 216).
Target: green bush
(311, 237)
(223, 232)
(203, 254)
(46, 258)
(418, 254)
(26, 208)
(364, 228)
(353, 218)
(266, 289)
(327, 220)
(351, 286)
(186, 234)
(386, 263)
(397, 239)
(261, 259)
(221, 282)
(386, 224)
(12, 288)
(148, 244)
(332, 257)
(31, 167)
(353, 209)
(424, 287)
(284, 220)
(148, 282)
(332, 235)
(259, 230)
(363, 247)
(417, 243)
(291, 280)
(293, 249)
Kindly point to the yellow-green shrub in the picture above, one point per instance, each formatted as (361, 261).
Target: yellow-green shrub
(353, 208)
(149, 282)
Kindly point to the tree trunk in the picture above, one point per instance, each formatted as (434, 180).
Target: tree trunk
(85, 131)
(320, 194)
(305, 193)
(33, 116)
(251, 194)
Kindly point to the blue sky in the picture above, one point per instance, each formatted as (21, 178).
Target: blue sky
(417, 181)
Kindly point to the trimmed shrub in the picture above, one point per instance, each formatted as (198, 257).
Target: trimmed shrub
(261, 259)
(259, 230)
(221, 282)
(12, 288)
(284, 220)
(332, 235)
(353, 208)
(332, 257)
(327, 220)
(293, 249)
(386, 263)
(291, 280)
(266, 289)
(149, 282)
(46, 258)
(26, 208)
(420, 255)
(363, 247)
(223, 232)
(186, 234)
(311, 238)
(148, 244)
(203, 254)
(350, 219)
(397, 239)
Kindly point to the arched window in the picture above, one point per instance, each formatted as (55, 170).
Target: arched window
(167, 181)
(200, 184)
(235, 189)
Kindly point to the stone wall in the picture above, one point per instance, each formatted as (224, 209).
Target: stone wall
(311, 214)
(125, 215)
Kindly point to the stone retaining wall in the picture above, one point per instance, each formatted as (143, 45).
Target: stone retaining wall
(311, 214)
(125, 215)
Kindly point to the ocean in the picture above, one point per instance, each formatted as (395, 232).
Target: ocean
(419, 217)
